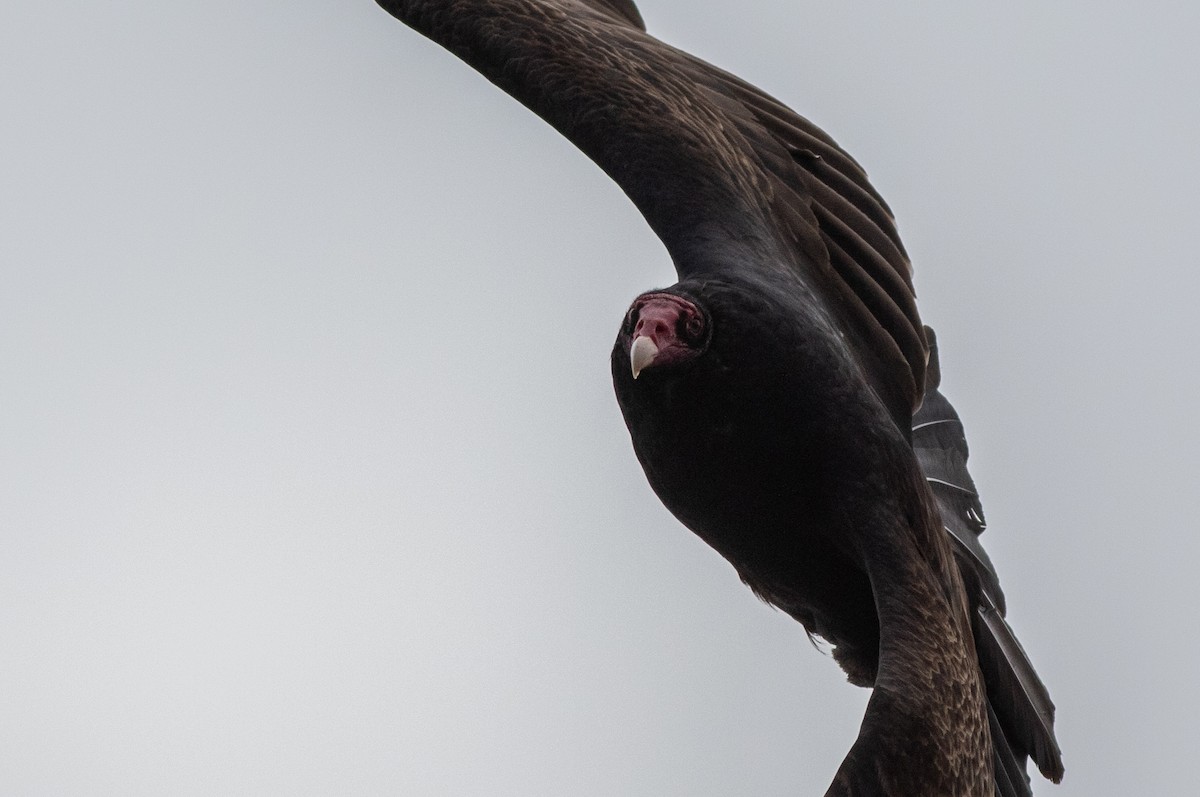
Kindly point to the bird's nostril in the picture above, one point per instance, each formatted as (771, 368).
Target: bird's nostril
(657, 324)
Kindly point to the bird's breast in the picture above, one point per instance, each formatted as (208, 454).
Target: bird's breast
(771, 447)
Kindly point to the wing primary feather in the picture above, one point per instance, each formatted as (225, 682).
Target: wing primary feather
(951, 485)
(1018, 695)
(919, 426)
(1011, 778)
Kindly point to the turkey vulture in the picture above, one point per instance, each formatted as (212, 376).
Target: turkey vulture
(782, 397)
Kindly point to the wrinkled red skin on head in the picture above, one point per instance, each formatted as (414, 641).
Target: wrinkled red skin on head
(674, 324)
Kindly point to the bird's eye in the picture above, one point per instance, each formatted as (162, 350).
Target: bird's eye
(694, 327)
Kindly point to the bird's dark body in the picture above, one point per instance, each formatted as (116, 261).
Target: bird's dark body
(773, 447)
(757, 449)
(783, 397)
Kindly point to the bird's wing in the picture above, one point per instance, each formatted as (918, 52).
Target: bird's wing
(728, 177)
(1022, 712)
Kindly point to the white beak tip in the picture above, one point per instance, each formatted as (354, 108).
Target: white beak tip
(641, 354)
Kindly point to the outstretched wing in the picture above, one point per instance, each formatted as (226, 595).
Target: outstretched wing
(728, 177)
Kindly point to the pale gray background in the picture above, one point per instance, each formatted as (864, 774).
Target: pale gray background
(311, 479)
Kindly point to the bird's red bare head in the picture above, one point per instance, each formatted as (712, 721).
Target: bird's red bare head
(664, 329)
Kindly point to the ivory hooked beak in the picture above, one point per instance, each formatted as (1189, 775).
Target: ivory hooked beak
(641, 354)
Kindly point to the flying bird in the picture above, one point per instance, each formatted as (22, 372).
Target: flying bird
(782, 396)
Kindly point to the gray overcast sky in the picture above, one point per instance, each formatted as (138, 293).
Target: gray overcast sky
(311, 479)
